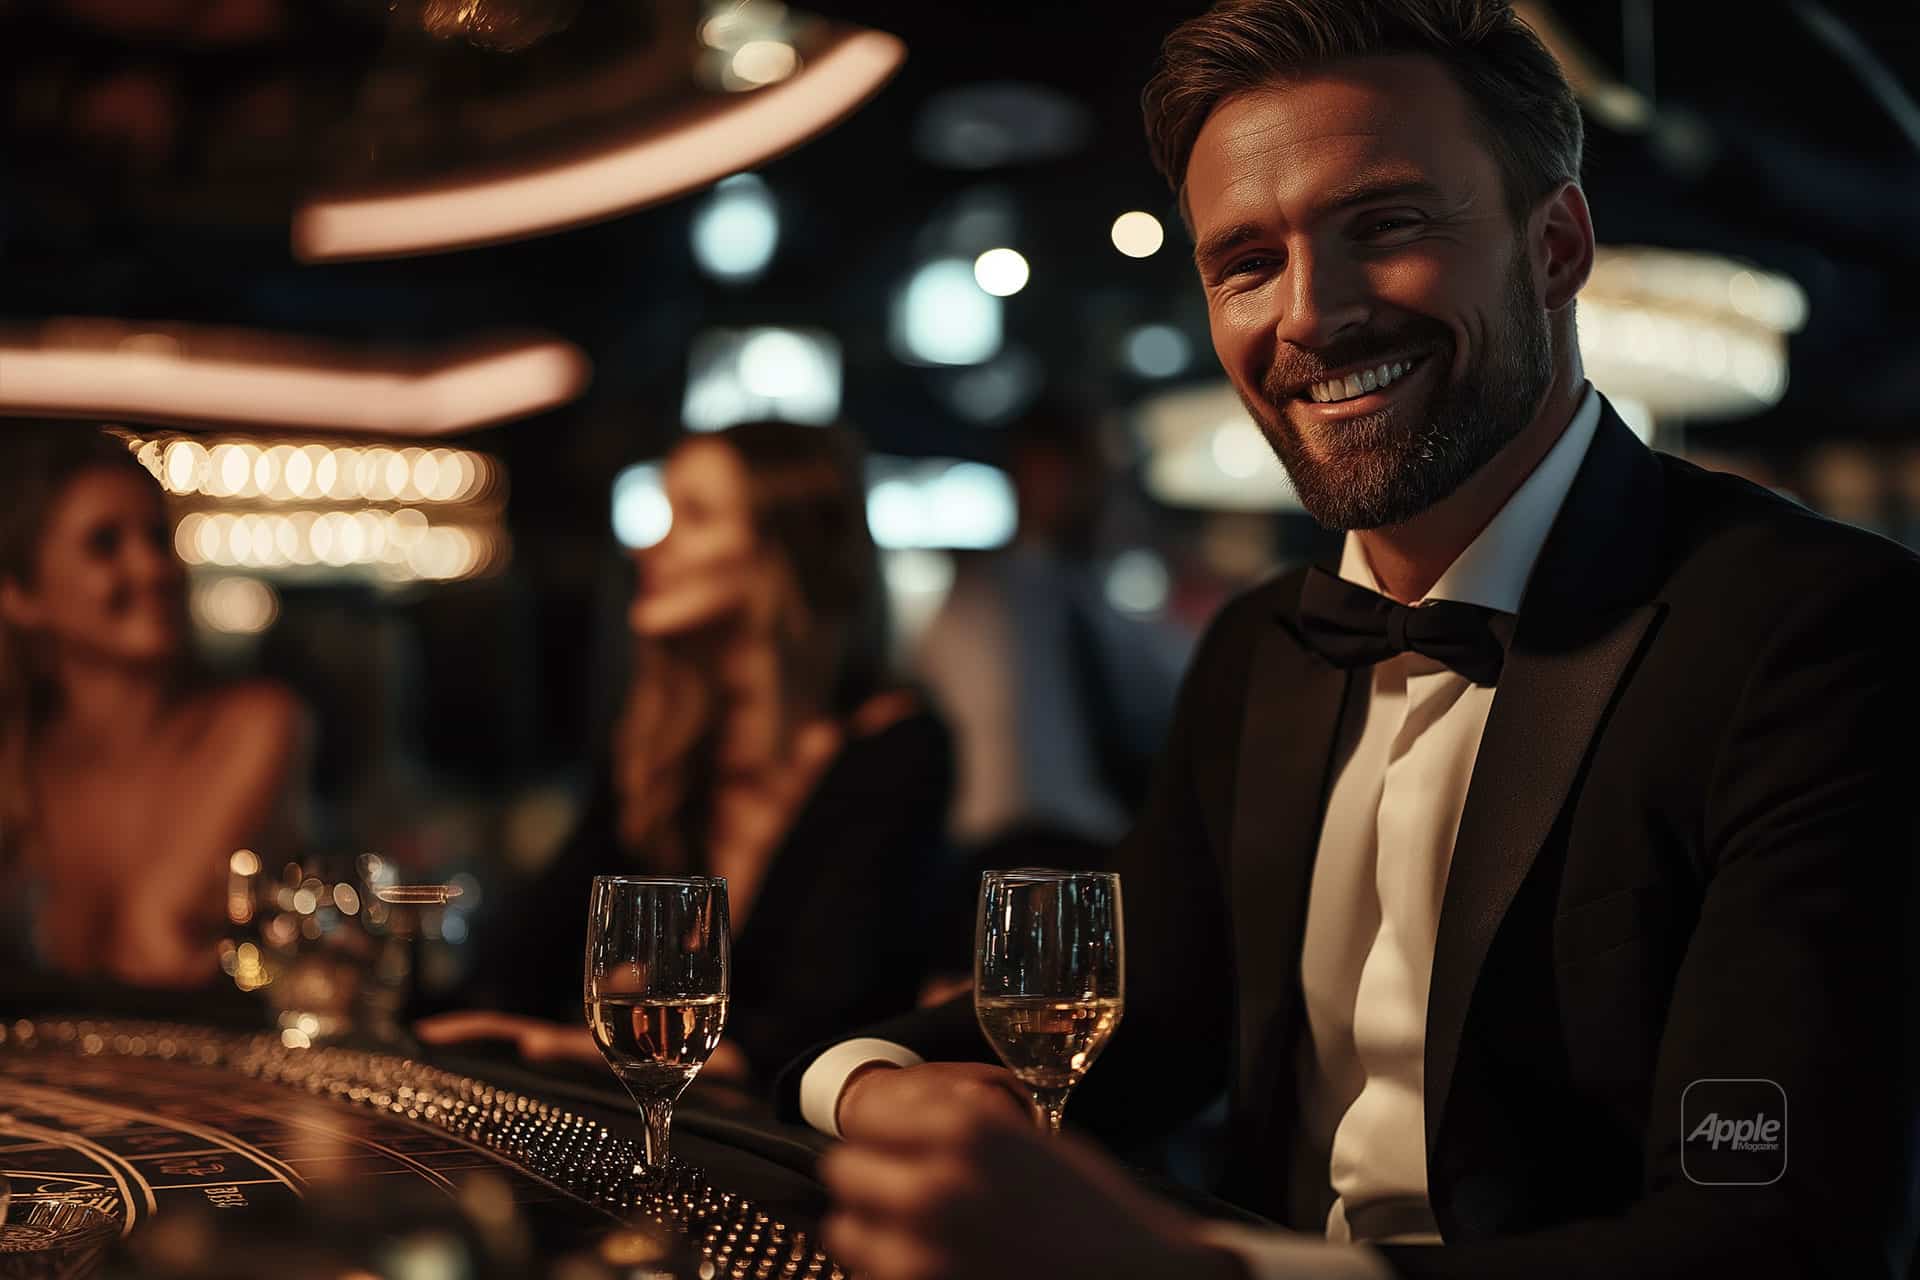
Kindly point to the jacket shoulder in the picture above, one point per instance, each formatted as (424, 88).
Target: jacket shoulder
(1741, 535)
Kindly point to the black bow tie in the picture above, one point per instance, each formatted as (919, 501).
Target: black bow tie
(1351, 626)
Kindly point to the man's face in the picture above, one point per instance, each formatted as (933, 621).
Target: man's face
(1369, 295)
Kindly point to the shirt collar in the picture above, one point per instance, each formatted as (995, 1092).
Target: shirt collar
(1493, 570)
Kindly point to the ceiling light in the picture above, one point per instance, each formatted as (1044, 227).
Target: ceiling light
(657, 164)
(1138, 234)
(1203, 450)
(943, 316)
(736, 229)
(1157, 350)
(1692, 335)
(1001, 272)
(288, 385)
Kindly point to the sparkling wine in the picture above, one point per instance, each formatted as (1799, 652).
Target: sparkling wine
(1046, 1041)
(657, 1043)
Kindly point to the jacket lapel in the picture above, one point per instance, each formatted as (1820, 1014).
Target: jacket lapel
(1584, 618)
(1288, 735)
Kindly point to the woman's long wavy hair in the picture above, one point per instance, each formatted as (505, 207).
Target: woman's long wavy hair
(38, 460)
(807, 499)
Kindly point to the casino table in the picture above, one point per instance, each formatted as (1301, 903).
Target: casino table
(210, 1149)
(331, 1159)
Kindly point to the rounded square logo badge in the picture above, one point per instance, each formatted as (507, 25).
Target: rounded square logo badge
(1733, 1133)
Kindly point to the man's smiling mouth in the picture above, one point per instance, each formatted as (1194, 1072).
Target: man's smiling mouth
(1376, 378)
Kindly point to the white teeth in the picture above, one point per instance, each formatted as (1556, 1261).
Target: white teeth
(1375, 379)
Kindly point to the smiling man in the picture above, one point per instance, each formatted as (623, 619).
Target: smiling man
(1537, 878)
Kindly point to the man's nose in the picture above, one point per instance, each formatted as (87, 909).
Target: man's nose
(1326, 297)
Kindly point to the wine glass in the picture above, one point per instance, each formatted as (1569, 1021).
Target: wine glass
(656, 989)
(1049, 977)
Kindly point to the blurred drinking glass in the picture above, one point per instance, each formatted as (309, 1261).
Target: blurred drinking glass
(1049, 976)
(656, 989)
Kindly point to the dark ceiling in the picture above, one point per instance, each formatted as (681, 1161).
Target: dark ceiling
(1769, 148)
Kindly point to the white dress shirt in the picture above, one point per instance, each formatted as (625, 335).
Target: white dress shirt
(1405, 758)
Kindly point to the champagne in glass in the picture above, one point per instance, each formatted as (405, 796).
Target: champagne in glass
(656, 989)
(1049, 976)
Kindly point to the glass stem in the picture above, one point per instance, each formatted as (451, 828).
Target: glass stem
(658, 1116)
(1052, 1105)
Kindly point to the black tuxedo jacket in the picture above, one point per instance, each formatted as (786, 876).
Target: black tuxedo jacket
(1687, 854)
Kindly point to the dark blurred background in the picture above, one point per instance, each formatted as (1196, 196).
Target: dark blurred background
(1752, 170)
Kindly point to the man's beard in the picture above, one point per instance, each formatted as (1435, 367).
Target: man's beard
(1384, 468)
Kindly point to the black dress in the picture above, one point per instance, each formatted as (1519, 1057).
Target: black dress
(836, 937)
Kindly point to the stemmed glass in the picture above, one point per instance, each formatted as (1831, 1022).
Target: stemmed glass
(656, 989)
(1049, 977)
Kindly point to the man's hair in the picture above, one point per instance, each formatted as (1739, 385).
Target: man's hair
(1525, 109)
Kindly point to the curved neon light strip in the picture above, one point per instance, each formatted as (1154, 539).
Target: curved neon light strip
(454, 396)
(463, 213)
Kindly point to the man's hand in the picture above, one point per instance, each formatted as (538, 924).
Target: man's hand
(959, 1182)
(881, 1095)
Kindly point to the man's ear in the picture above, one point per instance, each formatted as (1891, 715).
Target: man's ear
(1562, 246)
(18, 607)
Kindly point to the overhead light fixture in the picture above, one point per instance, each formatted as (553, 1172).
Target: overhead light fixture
(397, 546)
(304, 509)
(234, 605)
(1205, 451)
(1001, 272)
(1687, 335)
(943, 316)
(658, 164)
(939, 504)
(736, 229)
(913, 505)
(1157, 350)
(110, 369)
(236, 469)
(641, 513)
(736, 375)
(1138, 234)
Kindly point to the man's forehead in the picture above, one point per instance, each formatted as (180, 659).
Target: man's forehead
(1398, 115)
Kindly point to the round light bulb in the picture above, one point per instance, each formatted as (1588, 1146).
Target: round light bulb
(1001, 272)
(1138, 234)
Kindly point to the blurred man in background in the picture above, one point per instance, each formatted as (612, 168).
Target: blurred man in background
(1059, 700)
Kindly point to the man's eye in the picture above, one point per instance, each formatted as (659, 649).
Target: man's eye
(1249, 265)
(1389, 226)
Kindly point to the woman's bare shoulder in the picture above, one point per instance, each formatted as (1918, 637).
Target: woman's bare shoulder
(261, 715)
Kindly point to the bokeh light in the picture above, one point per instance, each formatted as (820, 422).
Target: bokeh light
(1001, 272)
(1138, 234)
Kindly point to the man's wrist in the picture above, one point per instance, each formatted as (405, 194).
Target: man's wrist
(854, 1078)
(824, 1081)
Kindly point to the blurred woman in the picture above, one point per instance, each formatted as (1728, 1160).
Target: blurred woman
(126, 782)
(761, 742)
